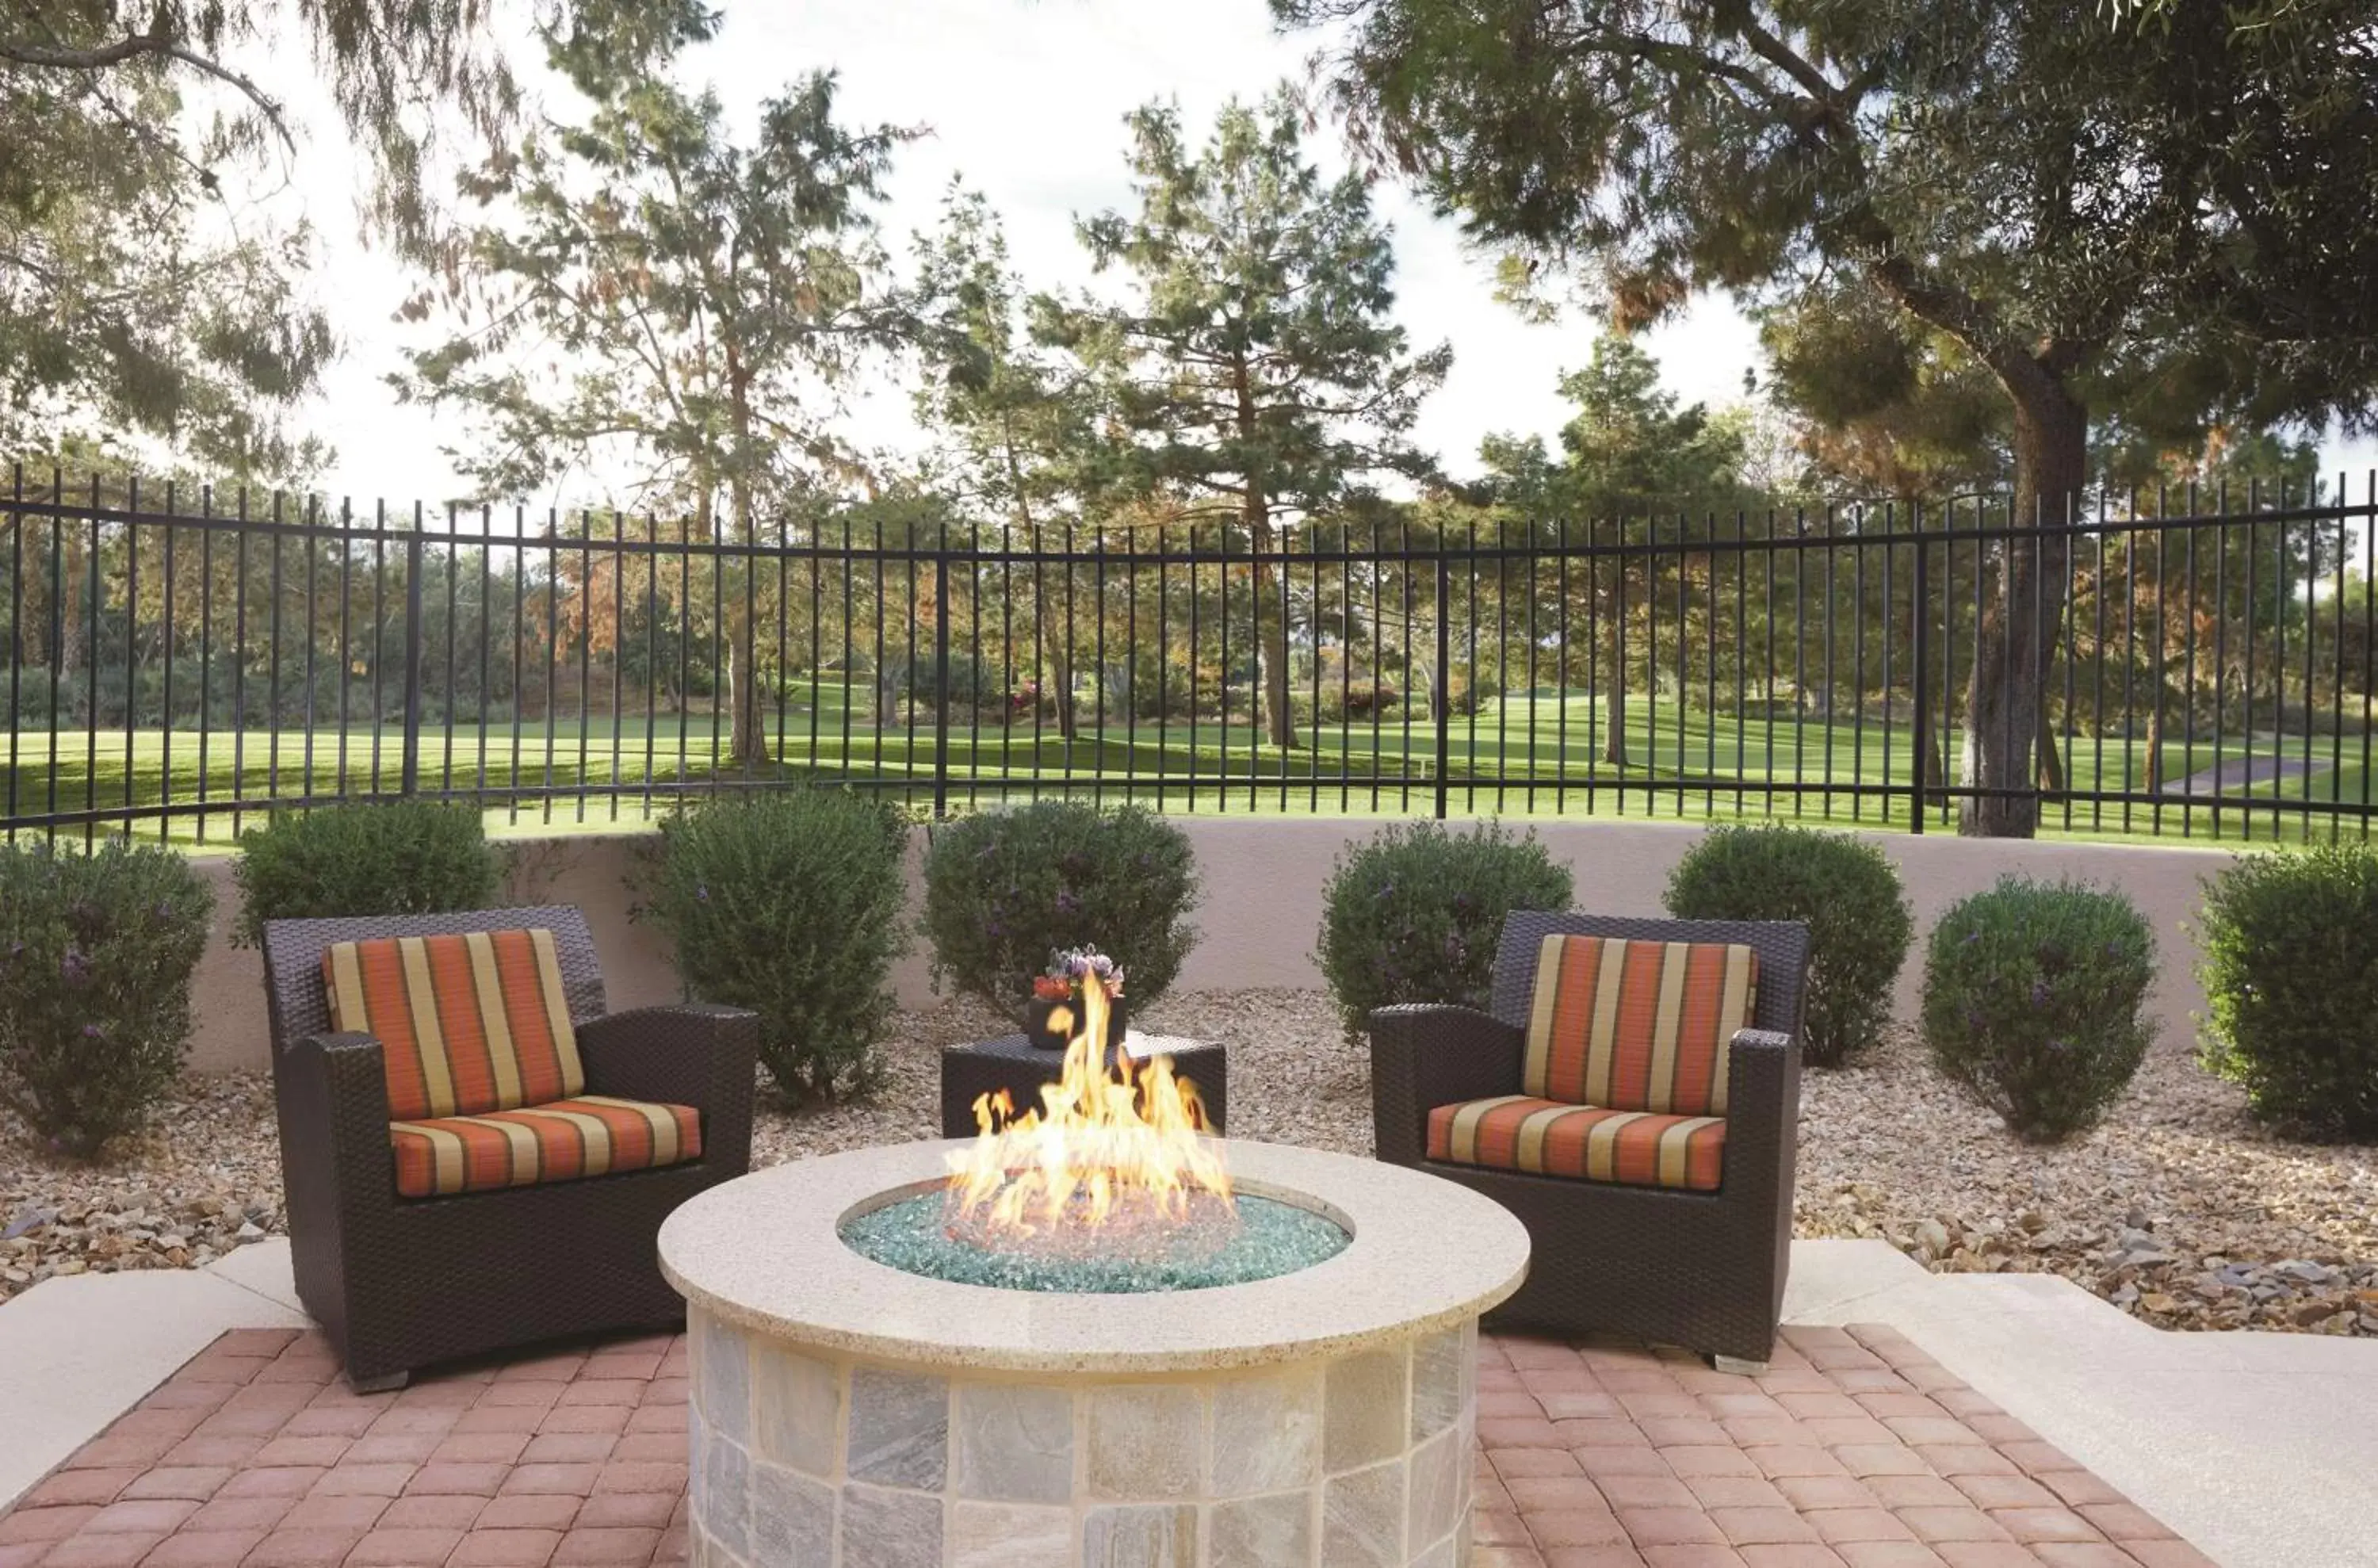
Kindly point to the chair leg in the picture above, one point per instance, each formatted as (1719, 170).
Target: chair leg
(1737, 1365)
(388, 1384)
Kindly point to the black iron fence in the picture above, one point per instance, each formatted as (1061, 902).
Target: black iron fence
(174, 664)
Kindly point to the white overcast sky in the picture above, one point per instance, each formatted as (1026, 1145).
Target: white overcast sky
(1025, 99)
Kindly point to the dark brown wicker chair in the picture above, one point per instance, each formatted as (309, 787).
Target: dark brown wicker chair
(398, 1282)
(1701, 1269)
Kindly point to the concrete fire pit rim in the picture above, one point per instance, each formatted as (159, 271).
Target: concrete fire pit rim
(764, 1253)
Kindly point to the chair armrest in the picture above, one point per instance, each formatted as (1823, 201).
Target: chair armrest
(1427, 1055)
(1762, 1123)
(337, 1164)
(685, 1053)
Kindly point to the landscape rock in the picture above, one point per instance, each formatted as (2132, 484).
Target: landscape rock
(2179, 1209)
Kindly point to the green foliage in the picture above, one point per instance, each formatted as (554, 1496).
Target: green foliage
(1006, 888)
(1257, 366)
(787, 902)
(1634, 468)
(1777, 164)
(1844, 888)
(2032, 1000)
(386, 858)
(717, 296)
(1414, 914)
(96, 952)
(2290, 972)
(1796, 146)
(148, 290)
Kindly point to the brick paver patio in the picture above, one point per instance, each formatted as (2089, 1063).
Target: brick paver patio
(1853, 1451)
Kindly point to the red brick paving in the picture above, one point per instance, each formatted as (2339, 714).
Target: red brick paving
(1853, 1451)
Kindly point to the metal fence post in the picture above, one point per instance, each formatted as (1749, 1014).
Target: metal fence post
(410, 778)
(1923, 719)
(1444, 678)
(941, 677)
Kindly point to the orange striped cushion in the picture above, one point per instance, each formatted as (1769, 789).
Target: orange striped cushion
(467, 1024)
(592, 1135)
(1636, 1026)
(1517, 1132)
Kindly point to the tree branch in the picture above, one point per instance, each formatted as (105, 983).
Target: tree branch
(135, 46)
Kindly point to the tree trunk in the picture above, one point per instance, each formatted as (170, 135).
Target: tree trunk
(69, 593)
(748, 738)
(1054, 659)
(1271, 648)
(2017, 630)
(747, 746)
(1613, 694)
(2051, 760)
(2154, 746)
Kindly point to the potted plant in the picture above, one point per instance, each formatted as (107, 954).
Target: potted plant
(1059, 1014)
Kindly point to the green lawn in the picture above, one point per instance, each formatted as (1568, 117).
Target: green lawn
(1692, 764)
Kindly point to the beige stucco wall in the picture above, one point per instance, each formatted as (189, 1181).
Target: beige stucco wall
(1262, 905)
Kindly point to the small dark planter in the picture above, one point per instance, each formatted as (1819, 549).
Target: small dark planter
(1037, 1029)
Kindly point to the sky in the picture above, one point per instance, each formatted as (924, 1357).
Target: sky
(1024, 100)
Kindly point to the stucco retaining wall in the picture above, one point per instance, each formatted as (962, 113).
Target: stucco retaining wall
(1262, 905)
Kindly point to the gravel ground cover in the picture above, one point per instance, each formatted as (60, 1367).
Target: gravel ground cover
(2178, 1210)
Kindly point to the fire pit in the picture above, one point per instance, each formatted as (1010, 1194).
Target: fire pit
(1037, 1371)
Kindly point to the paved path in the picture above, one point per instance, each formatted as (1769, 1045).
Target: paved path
(2241, 773)
(1855, 1450)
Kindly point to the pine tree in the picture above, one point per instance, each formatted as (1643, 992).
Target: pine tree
(672, 300)
(2080, 201)
(1256, 366)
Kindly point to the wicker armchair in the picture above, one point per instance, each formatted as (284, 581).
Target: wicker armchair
(1704, 1269)
(400, 1283)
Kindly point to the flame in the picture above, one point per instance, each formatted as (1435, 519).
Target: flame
(1106, 1158)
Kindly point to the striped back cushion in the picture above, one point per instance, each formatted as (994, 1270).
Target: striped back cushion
(1636, 1026)
(469, 1023)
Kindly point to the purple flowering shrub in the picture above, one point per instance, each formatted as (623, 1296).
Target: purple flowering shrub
(96, 952)
(1414, 914)
(1005, 890)
(2033, 997)
(787, 902)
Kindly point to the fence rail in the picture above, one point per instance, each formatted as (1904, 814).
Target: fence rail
(173, 664)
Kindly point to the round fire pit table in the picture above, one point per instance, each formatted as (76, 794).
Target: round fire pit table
(1012, 1062)
(846, 1412)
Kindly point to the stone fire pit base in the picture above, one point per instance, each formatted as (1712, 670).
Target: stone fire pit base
(1356, 1459)
(849, 1416)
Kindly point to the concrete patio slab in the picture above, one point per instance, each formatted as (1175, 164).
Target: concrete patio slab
(2257, 1447)
(264, 1269)
(76, 1353)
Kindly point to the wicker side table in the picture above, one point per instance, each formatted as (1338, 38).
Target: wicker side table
(1012, 1062)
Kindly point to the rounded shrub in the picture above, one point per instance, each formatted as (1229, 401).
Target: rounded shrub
(2033, 994)
(1413, 915)
(2289, 942)
(1847, 892)
(376, 857)
(788, 903)
(1006, 889)
(96, 952)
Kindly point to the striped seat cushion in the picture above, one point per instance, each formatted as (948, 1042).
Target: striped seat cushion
(1520, 1132)
(467, 1024)
(1636, 1026)
(590, 1136)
